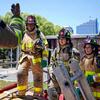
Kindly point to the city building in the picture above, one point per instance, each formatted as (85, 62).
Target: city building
(89, 28)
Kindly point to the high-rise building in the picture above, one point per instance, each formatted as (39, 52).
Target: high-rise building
(89, 28)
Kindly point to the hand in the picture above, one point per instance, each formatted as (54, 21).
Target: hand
(15, 9)
(44, 63)
(90, 79)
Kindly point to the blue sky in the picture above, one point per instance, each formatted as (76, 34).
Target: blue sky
(60, 12)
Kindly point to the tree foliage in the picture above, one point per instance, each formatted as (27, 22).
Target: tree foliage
(48, 28)
(7, 17)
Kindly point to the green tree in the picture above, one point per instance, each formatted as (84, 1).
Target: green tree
(57, 28)
(7, 17)
(48, 28)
